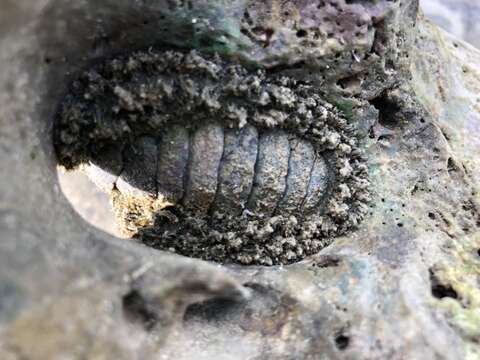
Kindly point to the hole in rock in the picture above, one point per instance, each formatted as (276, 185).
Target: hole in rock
(388, 111)
(385, 138)
(215, 310)
(326, 261)
(301, 33)
(268, 311)
(441, 291)
(452, 166)
(342, 341)
(137, 310)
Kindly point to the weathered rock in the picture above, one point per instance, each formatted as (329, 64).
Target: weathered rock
(403, 285)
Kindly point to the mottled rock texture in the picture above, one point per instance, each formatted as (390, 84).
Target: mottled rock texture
(404, 285)
(455, 17)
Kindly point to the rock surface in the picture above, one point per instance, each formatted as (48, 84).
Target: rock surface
(404, 285)
(455, 17)
(458, 17)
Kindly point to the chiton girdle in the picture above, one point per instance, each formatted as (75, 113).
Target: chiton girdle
(210, 159)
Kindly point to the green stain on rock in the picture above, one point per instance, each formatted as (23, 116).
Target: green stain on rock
(211, 26)
(346, 107)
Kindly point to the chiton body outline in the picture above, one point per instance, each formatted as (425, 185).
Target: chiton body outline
(144, 97)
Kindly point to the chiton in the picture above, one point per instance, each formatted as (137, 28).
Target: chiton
(210, 159)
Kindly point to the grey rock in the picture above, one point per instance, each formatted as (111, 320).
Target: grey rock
(404, 285)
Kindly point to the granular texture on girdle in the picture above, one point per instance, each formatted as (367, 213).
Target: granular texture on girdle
(210, 159)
